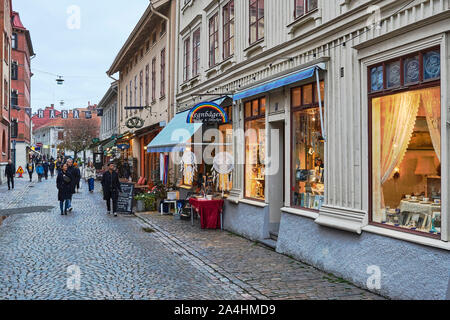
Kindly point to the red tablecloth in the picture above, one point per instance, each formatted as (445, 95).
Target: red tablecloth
(209, 211)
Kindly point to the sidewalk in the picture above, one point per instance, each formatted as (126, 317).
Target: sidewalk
(258, 270)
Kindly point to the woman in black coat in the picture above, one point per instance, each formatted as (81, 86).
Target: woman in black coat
(64, 183)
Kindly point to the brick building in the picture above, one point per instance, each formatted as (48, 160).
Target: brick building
(5, 56)
(22, 51)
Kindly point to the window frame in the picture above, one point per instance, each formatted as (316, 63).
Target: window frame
(306, 8)
(421, 84)
(230, 24)
(250, 119)
(256, 23)
(213, 53)
(187, 58)
(163, 74)
(196, 50)
(153, 79)
(147, 85)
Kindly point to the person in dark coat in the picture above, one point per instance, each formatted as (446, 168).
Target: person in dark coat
(52, 167)
(58, 165)
(30, 170)
(77, 176)
(64, 183)
(46, 169)
(111, 188)
(10, 172)
(71, 170)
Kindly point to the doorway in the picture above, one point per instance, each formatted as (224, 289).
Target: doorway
(276, 176)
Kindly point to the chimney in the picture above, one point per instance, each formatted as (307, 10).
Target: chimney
(52, 106)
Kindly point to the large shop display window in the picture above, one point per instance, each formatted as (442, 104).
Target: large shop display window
(255, 138)
(308, 149)
(406, 144)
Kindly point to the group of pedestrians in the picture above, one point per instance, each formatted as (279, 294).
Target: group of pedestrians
(43, 168)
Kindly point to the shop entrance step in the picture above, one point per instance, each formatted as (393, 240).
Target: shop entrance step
(269, 243)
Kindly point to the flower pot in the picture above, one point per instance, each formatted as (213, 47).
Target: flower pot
(140, 206)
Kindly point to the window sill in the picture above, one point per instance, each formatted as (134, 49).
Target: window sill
(253, 47)
(301, 21)
(426, 241)
(254, 203)
(302, 213)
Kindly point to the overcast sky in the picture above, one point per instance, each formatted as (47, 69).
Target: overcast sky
(81, 55)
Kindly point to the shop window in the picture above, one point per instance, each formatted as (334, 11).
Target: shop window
(308, 149)
(255, 137)
(406, 151)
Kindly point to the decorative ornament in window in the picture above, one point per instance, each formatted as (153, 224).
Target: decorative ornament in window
(377, 78)
(393, 74)
(431, 65)
(412, 70)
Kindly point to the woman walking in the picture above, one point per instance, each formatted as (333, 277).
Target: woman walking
(90, 175)
(64, 185)
(30, 169)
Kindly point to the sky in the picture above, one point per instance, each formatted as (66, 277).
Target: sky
(77, 39)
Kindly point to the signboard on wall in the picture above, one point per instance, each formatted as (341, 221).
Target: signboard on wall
(207, 112)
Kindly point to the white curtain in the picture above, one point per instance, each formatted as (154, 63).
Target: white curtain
(393, 120)
(431, 101)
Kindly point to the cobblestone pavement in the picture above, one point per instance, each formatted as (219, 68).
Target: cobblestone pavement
(120, 259)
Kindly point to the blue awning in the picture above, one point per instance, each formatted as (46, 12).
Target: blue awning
(279, 83)
(174, 136)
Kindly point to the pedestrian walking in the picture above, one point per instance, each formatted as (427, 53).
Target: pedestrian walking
(40, 171)
(77, 176)
(52, 166)
(30, 169)
(71, 171)
(58, 165)
(64, 183)
(111, 188)
(10, 172)
(90, 175)
(46, 166)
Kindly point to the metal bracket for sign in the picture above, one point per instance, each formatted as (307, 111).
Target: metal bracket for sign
(212, 94)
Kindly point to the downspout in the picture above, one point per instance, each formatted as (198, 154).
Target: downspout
(168, 54)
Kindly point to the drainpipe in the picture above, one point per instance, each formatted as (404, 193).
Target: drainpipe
(168, 54)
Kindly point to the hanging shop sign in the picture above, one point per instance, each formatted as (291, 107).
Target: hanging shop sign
(135, 123)
(207, 112)
(100, 112)
(123, 146)
(40, 114)
(88, 114)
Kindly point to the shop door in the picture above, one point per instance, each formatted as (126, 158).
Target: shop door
(276, 176)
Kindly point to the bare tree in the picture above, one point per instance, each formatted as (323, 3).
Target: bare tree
(78, 134)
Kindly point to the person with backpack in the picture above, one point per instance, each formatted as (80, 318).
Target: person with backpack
(40, 171)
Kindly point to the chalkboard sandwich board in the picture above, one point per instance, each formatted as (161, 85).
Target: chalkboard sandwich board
(125, 202)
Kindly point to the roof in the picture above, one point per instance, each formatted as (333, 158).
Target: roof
(18, 25)
(112, 91)
(140, 33)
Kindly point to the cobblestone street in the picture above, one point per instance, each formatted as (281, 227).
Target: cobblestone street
(118, 259)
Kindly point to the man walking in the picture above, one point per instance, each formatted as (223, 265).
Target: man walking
(46, 169)
(111, 188)
(10, 172)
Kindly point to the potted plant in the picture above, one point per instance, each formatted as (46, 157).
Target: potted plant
(145, 202)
